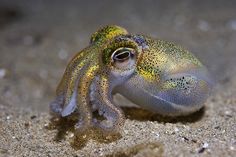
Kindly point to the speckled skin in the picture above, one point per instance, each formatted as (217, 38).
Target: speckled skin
(157, 75)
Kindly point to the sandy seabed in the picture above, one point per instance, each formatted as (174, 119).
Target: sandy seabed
(37, 38)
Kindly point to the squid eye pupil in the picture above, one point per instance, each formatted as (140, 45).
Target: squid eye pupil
(122, 54)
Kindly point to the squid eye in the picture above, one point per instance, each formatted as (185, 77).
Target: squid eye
(123, 58)
(122, 54)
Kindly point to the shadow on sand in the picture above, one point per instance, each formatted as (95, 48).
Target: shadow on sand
(65, 126)
(134, 113)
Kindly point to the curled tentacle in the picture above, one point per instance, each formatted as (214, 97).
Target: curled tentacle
(66, 89)
(75, 61)
(113, 114)
(80, 65)
(70, 102)
(76, 77)
(84, 109)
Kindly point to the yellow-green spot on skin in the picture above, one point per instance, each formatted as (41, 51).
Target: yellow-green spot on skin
(107, 33)
(157, 75)
(149, 73)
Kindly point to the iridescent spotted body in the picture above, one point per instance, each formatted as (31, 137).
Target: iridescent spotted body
(154, 74)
